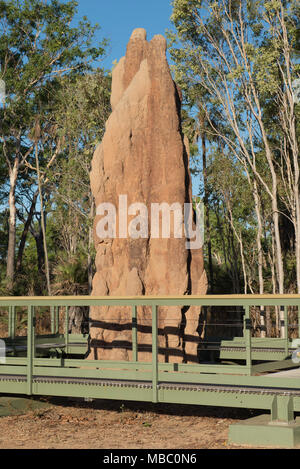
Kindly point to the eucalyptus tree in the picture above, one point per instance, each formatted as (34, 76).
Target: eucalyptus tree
(79, 116)
(38, 44)
(242, 54)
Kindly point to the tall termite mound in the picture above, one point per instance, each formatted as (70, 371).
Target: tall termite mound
(143, 158)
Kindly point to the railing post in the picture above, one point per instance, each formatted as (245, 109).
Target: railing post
(67, 329)
(154, 354)
(247, 335)
(282, 322)
(286, 331)
(134, 334)
(30, 347)
(9, 322)
(52, 320)
(13, 322)
(56, 319)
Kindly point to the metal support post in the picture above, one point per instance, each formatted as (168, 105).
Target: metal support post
(13, 322)
(52, 319)
(286, 331)
(67, 329)
(56, 319)
(30, 347)
(247, 335)
(9, 321)
(282, 410)
(154, 354)
(134, 334)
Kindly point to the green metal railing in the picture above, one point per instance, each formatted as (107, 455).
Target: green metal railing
(250, 385)
(153, 371)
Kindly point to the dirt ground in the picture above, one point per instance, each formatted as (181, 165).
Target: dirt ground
(76, 424)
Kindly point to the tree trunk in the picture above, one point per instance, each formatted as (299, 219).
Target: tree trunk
(292, 128)
(25, 232)
(43, 224)
(259, 235)
(78, 320)
(297, 228)
(38, 236)
(207, 222)
(10, 267)
(279, 266)
(90, 245)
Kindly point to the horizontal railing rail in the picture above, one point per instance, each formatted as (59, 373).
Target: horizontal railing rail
(182, 300)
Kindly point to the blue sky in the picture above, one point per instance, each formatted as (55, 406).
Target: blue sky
(118, 18)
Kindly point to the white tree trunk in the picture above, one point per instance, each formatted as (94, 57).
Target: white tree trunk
(10, 267)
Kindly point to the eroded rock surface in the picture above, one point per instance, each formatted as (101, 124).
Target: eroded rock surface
(144, 157)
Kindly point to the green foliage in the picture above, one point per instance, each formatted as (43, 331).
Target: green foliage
(82, 108)
(232, 62)
(56, 104)
(70, 275)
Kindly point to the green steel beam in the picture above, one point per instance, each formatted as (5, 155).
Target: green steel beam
(184, 300)
(281, 407)
(10, 387)
(101, 364)
(95, 392)
(142, 373)
(154, 353)
(67, 329)
(56, 319)
(262, 349)
(73, 364)
(30, 347)
(13, 322)
(134, 334)
(215, 398)
(14, 369)
(255, 355)
(235, 380)
(266, 342)
(10, 321)
(90, 373)
(286, 331)
(247, 335)
(171, 367)
(52, 316)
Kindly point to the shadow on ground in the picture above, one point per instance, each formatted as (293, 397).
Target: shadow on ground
(180, 410)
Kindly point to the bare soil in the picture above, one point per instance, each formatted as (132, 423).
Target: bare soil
(76, 424)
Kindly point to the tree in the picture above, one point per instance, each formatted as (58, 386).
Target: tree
(38, 44)
(242, 55)
(82, 108)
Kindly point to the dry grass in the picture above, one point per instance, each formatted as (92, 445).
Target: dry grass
(76, 424)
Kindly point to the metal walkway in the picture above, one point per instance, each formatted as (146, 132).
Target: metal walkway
(271, 382)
